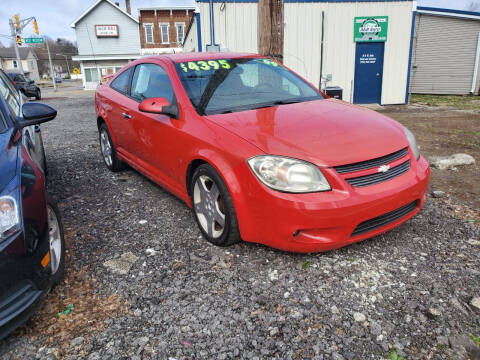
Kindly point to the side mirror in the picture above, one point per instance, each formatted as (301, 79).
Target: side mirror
(159, 106)
(36, 113)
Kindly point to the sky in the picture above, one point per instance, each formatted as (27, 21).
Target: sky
(55, 16)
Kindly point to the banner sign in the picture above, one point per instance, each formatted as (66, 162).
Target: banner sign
(106, 30)
(370, 29)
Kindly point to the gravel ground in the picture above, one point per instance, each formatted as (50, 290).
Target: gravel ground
(145, 285)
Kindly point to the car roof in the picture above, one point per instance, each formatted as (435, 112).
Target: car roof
(194, 56)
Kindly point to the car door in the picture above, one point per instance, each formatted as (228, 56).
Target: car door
(119, 116)
(155, 134)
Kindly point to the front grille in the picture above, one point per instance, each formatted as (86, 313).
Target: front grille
(385, 219)
(344, 169)
(380, 177)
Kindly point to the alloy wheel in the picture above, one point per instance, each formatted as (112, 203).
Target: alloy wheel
(106, 148)
(55, 239)
(209, 207)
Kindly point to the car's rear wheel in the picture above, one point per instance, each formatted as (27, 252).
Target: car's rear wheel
(109, 153)
(56, 241)
(213, 207)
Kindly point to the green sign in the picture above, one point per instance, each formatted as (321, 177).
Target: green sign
(35, 40)
(370, 29)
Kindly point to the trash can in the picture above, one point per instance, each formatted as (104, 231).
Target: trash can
(335, 92)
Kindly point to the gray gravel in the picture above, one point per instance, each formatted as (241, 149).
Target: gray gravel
(411, 291)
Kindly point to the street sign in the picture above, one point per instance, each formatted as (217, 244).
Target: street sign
(371, 29)
(76, 71)
(35, 40)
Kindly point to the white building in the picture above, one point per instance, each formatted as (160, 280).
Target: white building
(367, 43)
(107, 39)
(9, 62)
(446, 53)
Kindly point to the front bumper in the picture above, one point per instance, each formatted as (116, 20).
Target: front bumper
(327, 220)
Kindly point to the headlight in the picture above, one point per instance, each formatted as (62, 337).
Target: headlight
(413, 142)
(288, 175)
(9, 218)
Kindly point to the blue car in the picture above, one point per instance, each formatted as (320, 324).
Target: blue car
(32, 248)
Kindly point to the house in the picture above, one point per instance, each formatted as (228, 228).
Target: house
(9, 61)
(366, 44)
(446, 53)
(162, 29)
(107, 39)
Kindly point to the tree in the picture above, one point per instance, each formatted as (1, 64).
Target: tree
(58, 46)
(474, 6)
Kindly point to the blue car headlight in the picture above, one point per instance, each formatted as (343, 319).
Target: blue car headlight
(10, 219)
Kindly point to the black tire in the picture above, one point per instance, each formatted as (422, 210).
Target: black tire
(38, 95)
(116, 164)
(58, 276)
(231, 233)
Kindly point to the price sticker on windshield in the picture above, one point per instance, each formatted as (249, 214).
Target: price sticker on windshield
(270, 62)
(205, 65)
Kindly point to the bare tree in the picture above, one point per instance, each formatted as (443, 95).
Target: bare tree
(474, 5)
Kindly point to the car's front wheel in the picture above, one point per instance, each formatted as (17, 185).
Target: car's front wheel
(213, 207)
(38, 95)
(109, 153)
(56, 241)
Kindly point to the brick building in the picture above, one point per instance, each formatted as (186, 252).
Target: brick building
(162, 29)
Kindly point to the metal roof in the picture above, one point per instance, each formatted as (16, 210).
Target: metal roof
(449, 12)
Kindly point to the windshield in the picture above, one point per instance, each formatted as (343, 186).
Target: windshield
(230, 85)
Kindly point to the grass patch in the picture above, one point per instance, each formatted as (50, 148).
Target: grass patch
(306, 264)
(459, 102)
(476, 340)
(394, 356)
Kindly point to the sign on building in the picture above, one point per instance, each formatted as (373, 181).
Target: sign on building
(106, 30)
(370, 29)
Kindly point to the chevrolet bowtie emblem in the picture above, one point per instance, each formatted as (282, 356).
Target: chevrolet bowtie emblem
(383, 168)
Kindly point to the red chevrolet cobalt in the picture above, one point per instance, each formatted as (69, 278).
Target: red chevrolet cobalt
(258, 152)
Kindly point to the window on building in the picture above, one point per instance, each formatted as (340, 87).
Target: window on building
(91, 75)
(180, 32)
(148, 33)
(15, 65)
(164, 27)
(122, 81)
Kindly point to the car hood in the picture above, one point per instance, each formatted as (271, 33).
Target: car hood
(326, 132)
(8, 159)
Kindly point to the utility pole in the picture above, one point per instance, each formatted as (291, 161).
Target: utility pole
(270, 28)
(66, 60)
(51, 66)
(13, 30)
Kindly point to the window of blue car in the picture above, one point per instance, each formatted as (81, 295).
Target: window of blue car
(121, 82)
(10, 94)
(229, 85)
(3, 123)
(150, 80)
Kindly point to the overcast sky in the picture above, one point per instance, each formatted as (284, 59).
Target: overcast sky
(55, 16)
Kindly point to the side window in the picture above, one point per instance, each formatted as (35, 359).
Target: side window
(121, 82)
(9, 94)
(150, 80)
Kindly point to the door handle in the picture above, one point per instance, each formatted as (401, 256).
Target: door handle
(378, 74)
(126, 116)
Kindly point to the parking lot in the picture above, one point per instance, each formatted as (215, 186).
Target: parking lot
(144, 284)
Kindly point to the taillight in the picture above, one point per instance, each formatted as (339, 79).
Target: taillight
(14, 83)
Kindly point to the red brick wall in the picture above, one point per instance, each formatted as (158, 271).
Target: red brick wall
(163, 16)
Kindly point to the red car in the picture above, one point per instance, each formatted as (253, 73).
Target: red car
(258, 152)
